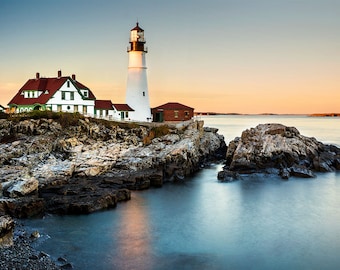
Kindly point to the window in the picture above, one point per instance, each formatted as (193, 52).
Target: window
(126, 114)
(85, 93)
(143, 94)
(63, 94)
(186, 113)
(72, 95)
(84, 109)
(58, 108)
(68, 83)
(176, 114)
(68, 107)
(75, 109)
(28, 94)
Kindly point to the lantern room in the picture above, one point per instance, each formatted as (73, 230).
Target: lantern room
(137, 40)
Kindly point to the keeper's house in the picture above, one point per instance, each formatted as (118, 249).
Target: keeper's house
(172, 111)
(55, 94)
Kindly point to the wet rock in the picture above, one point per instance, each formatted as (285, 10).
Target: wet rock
(62, 260)
(228, 176)
(35, 234)
(301, 171)
(285, 173)
(67, 266)
(82, 196)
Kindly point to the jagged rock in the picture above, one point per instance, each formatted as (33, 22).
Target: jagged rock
(283, 148)
(301, 171)
(6, 231)
(22, 187)
(22, 207)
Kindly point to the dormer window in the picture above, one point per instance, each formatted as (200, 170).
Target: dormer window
(86, 94)
(46, 92)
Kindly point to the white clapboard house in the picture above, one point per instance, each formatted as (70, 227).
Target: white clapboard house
(59, 94)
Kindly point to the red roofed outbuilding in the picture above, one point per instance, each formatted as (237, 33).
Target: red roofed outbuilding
(106, 109)
(172, 111)
(122, 111)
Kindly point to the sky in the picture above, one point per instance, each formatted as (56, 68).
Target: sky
(226, 56)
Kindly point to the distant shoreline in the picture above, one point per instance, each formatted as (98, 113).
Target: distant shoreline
(325, 115)
(311, 115)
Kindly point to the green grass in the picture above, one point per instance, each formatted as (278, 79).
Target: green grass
(65, 119)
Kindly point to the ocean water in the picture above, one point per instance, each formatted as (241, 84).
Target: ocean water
(259, 222)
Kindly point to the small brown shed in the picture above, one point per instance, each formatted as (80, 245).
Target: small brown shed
(172, 111)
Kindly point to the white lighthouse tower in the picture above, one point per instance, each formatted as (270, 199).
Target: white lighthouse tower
(137, 95)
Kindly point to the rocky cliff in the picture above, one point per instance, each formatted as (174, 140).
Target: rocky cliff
(280, 149)
(91, 164)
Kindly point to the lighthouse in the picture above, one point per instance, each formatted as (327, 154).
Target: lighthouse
(137, 95)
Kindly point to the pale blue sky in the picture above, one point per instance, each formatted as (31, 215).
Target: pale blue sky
(247, 56)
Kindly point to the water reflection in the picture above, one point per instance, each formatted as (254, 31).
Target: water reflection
(133, 237)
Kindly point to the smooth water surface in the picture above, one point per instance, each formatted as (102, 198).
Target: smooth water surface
(259, 222)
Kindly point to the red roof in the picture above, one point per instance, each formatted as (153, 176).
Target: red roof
(173, 106)
(122, 107)
(49, 86)
(103, 104)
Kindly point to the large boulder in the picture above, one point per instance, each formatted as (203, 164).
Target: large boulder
(275, 146)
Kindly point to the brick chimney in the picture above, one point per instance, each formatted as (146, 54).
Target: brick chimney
(74, 77)
(37, 75)
(59, 73)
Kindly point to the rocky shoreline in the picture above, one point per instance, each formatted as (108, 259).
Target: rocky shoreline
(85, 165)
